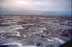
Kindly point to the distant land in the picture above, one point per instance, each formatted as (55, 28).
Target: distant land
(33, 12)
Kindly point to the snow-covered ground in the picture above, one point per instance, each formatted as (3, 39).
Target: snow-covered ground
(35, 31)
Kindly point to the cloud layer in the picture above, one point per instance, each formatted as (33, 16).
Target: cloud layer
(57, 6)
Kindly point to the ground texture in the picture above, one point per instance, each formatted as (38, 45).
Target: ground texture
(35, 31)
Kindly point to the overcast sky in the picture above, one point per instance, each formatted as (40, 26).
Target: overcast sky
(62, 7)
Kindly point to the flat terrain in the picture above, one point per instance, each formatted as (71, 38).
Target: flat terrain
(35, 31)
